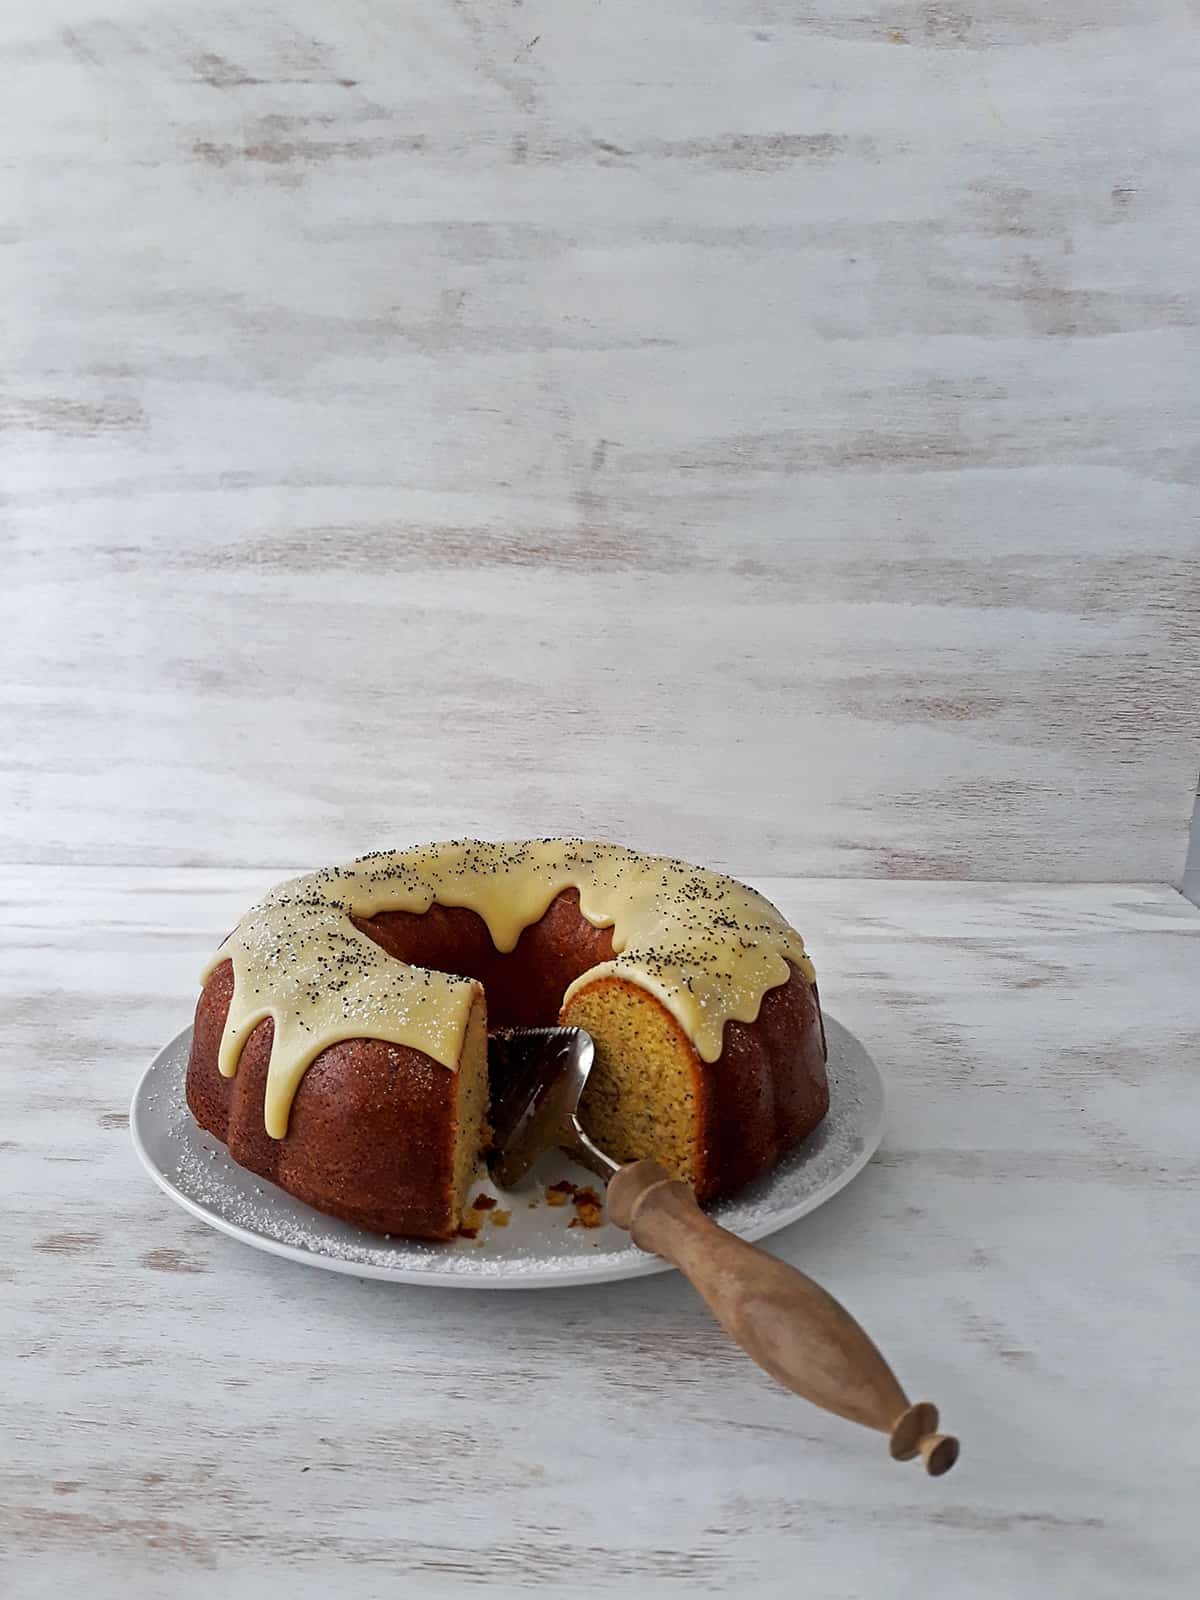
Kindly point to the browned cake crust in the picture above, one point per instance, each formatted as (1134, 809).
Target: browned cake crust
(525, 987)
(768, 1090)
(372, 1127)
(371, 1133)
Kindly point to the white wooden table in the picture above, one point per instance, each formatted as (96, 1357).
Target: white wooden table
(761, 433)
(183, 1415)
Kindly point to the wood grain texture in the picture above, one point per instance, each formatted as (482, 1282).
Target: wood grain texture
(181, 1413)
(763, 433)
(792, 1327)
(1191, 872)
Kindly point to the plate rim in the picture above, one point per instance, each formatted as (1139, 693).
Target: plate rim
(519, 1278)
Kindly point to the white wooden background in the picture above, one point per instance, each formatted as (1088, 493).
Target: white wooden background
(765, 432)
(761, 431)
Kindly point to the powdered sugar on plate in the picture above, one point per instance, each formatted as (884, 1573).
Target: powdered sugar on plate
(538, 1248)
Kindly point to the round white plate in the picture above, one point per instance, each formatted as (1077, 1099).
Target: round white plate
(538, 1249)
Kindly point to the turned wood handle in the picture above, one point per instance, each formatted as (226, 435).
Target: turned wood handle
(783, 1320)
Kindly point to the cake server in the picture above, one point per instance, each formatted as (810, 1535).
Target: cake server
(783, 1320)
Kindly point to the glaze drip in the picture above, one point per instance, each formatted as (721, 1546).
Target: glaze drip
(706, 946)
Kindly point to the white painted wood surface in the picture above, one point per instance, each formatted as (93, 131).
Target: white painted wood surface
(766, 433)
(184, 1416)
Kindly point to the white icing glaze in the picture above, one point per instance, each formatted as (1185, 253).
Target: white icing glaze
(708, 947)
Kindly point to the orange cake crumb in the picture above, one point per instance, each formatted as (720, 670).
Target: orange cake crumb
(501, 1218)
(589, 1209)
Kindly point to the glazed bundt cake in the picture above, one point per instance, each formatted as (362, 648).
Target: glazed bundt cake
(340, 1043)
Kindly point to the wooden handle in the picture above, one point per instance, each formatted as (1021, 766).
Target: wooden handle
(781, 1319)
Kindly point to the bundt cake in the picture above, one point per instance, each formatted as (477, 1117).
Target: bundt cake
(340, 1042)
